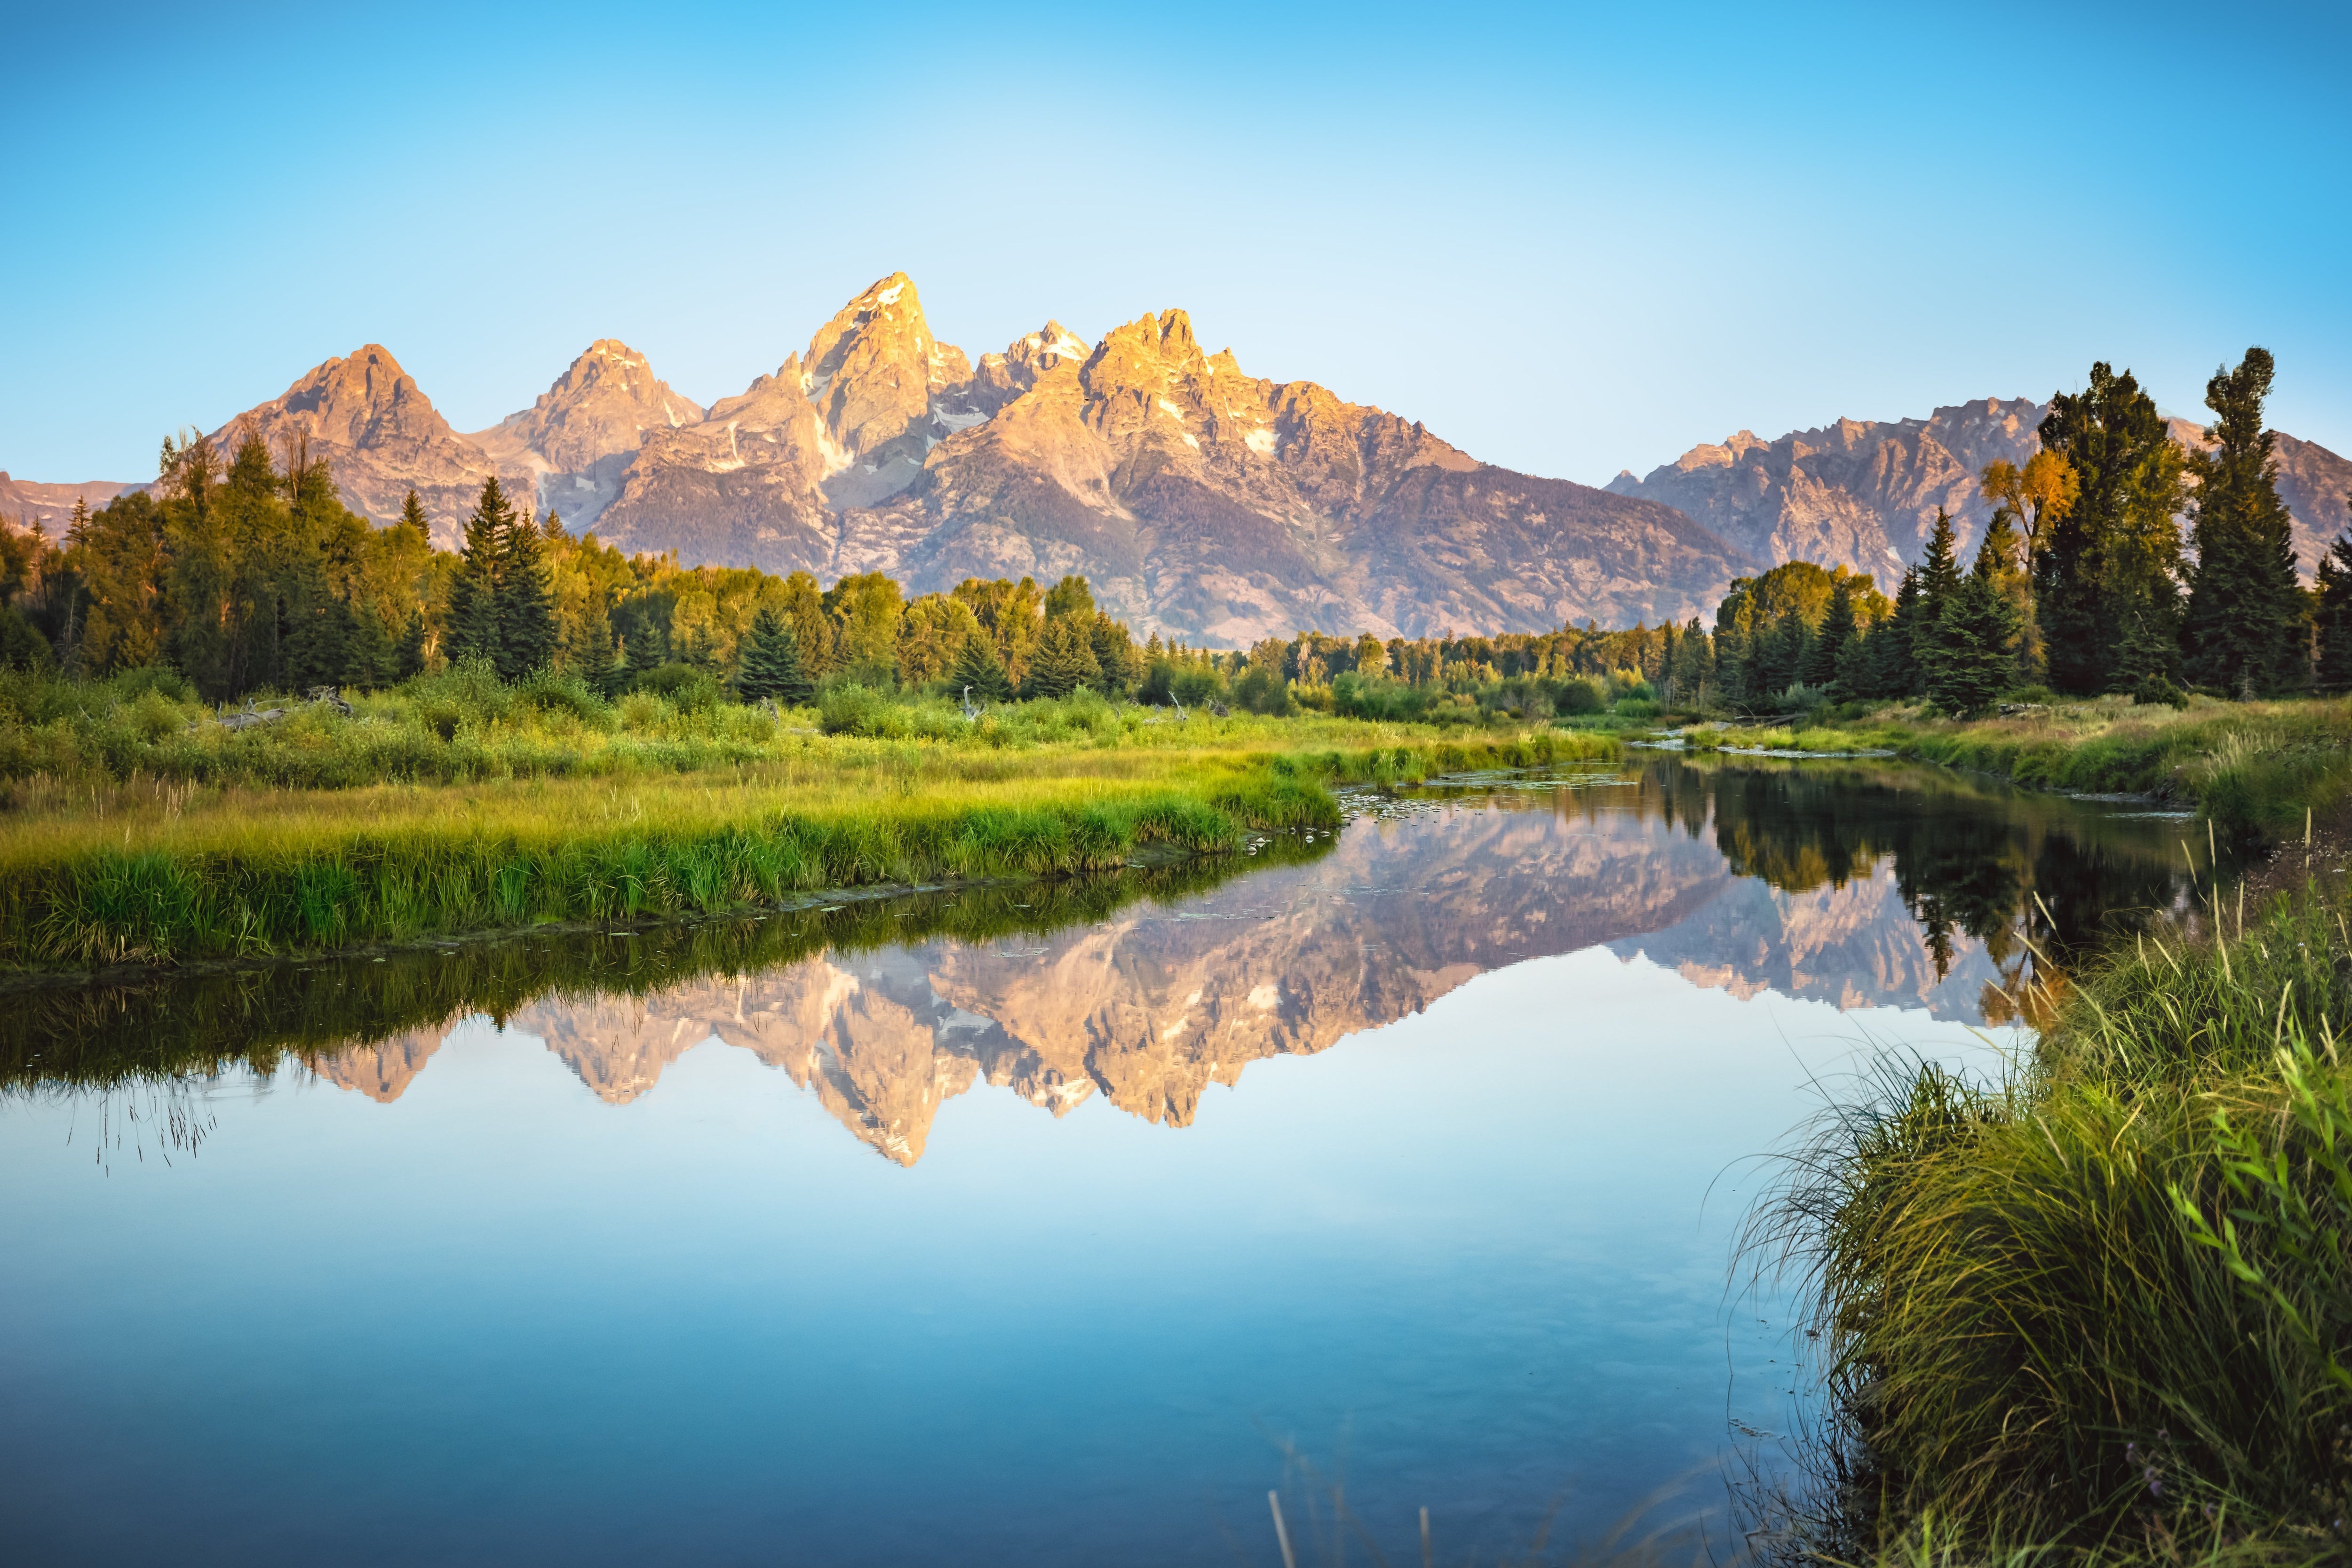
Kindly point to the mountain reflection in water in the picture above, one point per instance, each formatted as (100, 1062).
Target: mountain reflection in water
(1862, 886)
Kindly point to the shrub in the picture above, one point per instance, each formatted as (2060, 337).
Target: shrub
(689, 688)
(568, 693)
(1582, 695)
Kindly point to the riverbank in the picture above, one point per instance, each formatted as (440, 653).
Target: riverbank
(144, 870)
(2254, 768)
(2102, 1307)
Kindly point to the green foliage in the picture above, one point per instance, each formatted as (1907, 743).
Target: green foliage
(2246, 615)
(1968, 661)
(2106, 588)
(978, 672)
(2109, 1295)
(771, 668)
(526, 612)
(1065, 658)
(690, 688)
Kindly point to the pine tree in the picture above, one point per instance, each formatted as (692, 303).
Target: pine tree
(370, 661)
(978, 669)
(473, 630)
(1974, 658)
(1939, 584)
(1837, 630)
(1114, 651)
(408, 659)
(2245, 607)
(2107, 567)
(1780, 656)
(598, 665)
(2335, 610)
(1939, 568)
(772, 663)
(1894, 661)
(411, 515)
(1064, 660)
(526, 631)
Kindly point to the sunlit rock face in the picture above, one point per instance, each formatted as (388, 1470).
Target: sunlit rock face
(583, 432)
(1848, 893)
(380, 438)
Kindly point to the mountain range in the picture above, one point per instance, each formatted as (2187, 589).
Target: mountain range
(1200, 501)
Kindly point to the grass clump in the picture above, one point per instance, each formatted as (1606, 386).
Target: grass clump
(2103, 1305)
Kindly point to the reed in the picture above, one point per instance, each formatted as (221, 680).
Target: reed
(2104, 1304)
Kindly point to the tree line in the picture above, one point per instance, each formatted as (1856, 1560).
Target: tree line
(2083, 580)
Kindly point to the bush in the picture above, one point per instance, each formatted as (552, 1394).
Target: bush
(2154, 690)
(1195, 686)
(1582, 695)
(1636, 708)
(568, 693)
(688, 688)
(854, 710)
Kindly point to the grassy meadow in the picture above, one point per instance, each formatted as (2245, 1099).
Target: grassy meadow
(140, 830)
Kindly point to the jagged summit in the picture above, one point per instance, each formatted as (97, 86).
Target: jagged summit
(584, 430)
(381, 436)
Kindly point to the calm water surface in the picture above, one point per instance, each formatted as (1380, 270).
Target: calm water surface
(1042, 1225)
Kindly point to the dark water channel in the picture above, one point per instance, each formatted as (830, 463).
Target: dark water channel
(1040, 1224)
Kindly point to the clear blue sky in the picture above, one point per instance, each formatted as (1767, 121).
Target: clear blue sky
(1570, 240)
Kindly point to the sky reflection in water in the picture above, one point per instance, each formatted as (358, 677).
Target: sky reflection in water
(1040, 1241)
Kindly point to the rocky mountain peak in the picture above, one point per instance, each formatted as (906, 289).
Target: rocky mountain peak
(1148, 351)
(358, 400)
(597, 410)
(381, 437)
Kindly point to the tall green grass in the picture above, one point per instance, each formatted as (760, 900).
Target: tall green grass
(2104, 1305)
(170, 1025)
(323, 870)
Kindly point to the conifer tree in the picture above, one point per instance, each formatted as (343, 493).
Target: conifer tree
(1939, 583)
(527, 632)
(2245, 619)
(647, 647)
(1829, 645)
(411, 515)
(771, 662)
(370, 660)
(2107, 567)
(473, 629)
(1114, 650)
(1064, 660)
(1973, 655)
(2334, 611)
(1894, 660)
(978, 668)
(408, 659)
(598, 665)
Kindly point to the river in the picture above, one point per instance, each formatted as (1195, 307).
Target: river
(1051, 1224)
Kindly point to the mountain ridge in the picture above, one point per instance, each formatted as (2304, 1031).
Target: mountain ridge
(1202, 503)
